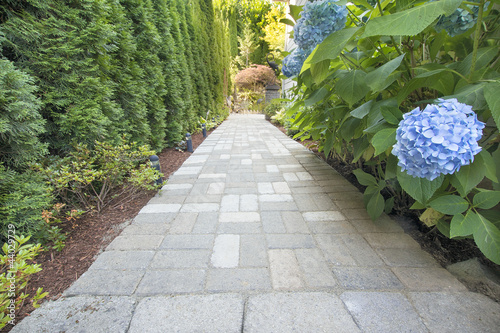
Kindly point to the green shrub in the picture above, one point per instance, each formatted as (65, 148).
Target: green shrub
(23, 198)
(15, 273)
(107, 174)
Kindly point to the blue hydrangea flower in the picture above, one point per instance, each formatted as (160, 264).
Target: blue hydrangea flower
(318, 20)
(460, 21)
(438, 140)
(292, 64)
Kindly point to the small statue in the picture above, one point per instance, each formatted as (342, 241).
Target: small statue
(273, 64)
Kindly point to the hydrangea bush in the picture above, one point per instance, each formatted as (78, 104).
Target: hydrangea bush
(292, 64)
(437, 140)
(359, 98)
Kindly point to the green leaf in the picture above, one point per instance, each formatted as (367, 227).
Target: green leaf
(430, 217)
(352, 87)
(365, 178)
(444, 227)
(389, 205)
(411, 21)
(492, 96)
(468, 177)
(487, 238)
(419, 189)
(485, 158)
(319, 71)
(287, 22)
(331, 47)
(376, 79)
(471, 94)
(464, 225)
(383, 140)
(361, 111)
(375, 206)
(316, 96)
(330, 138)
(450, 204)
(484, 56)
(486, 199)
(391, 115)
(359, 147)
(295, 12)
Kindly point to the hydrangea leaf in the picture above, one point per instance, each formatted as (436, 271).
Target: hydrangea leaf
(444, 228)
(412, 21)
(486, 199)
(464, 225)
(376, 79)
(430, 217)
(359, 147)
(449, 204)
(375, 206)
(295, 11)
(485, 158)
(484, 56)
(352, 87)
(471, 94)
(468, 177)
(391, 115)
(287, 22)
(492, 96)
(487, 238)
(361, 111)
(383, 140)
(331, 47)
(316, 96)
(420, 189)
(365, 178)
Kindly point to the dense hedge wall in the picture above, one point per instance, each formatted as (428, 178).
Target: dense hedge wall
(105, 69)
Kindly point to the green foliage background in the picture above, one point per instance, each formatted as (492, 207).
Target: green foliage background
(77, 72)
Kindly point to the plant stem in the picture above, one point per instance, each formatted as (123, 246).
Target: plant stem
(479, 23)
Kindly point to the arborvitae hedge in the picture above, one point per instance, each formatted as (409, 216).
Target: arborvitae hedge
(105, 69)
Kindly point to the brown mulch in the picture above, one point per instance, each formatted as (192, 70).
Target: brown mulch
(89, 236)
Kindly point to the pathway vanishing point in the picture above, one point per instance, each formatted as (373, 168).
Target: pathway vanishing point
(254, 233)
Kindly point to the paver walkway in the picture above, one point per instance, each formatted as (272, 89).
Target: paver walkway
(256, 234)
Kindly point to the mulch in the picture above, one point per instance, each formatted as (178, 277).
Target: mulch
(90, 235)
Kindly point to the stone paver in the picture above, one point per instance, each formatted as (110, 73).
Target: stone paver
(256, 234)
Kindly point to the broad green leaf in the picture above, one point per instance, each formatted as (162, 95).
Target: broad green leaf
(419, 189)
(287, 22)
(316, 96)
(391, 115)
(468, 177)
(389, 205)
(486, 199)
(410, 22)
(484, 56)
(295, 11)
(376, 79)
(485, 158)
(464, 225)
(361, 111)
(437, 44)
(492, 96)
(352, 87)
(363, 3)
(383, 140)
(391, 167)
(349, 128)
(365, 178)
(430, 217)
(375, 206)
(487, 238)
(320, 71)
(331, 47)
(330, 138)
(359, 147)
(471, 94)
(433, 76)
(403, 4)
(444, 227)
(450, 204)
(296, 107)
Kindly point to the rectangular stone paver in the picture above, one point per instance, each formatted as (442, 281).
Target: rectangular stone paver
(171, 281)
(226, 253)
(285, 270)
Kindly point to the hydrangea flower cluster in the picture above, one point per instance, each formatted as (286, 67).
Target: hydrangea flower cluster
(460, 21)
(292, 64)
(318, 20)
(438, 140)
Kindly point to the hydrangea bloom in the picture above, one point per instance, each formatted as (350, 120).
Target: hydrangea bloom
(292, 64)
(438, 140)
(460, 21)
(319, 19)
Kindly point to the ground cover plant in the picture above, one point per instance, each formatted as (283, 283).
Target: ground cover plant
(407, 91)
